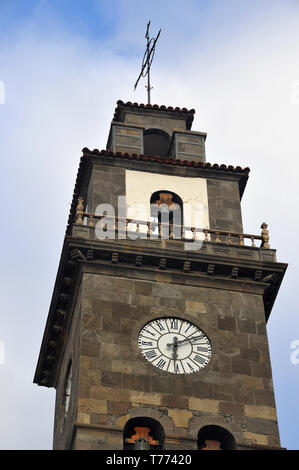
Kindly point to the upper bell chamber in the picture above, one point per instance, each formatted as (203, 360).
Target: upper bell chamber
(156, 131)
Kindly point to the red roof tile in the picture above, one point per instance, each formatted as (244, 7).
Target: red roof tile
(167, 161)
(169, 109)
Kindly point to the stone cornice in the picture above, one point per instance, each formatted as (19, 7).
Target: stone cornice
(137, 260)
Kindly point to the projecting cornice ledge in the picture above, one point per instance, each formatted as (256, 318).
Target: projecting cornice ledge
(142, 261)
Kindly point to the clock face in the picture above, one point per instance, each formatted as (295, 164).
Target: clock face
(66, 397)
(174, 345)
(67, 392)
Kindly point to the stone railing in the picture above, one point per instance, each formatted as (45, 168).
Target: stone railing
(168, 231)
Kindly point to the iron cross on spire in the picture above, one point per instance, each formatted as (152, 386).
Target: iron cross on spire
(147, 61)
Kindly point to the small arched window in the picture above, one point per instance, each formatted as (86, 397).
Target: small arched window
(167, 208)
(215, 438)
(156, 142)
(143, 433)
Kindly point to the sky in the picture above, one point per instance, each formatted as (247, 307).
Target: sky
(63, 66)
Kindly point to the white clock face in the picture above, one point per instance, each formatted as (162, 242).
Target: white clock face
(66, 397)
(174, 345)
(67, 392)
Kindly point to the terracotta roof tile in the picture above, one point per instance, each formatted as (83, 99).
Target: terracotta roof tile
(165, 161)
(169, 109)
(154, 106)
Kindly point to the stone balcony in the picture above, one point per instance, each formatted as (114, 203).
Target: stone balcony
(153, 236)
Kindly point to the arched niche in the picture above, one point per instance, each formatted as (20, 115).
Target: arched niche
(155, 142)
(171, 203)
(214, 437)
(142, 428)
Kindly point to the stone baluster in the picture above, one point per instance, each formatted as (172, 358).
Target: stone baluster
(79, 211)
(90, 221)
(171, 231)
(103, 225)
(265, 235)
(218, 240)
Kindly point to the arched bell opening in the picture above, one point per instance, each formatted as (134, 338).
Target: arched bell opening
(167, 212)
(215, 438)
(156, 142)
(143, 433)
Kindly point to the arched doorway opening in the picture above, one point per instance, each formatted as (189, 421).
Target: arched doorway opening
(214, 437)
(167, 213)
(156, 142)
(143, 433)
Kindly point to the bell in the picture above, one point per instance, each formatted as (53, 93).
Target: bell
(141, 444)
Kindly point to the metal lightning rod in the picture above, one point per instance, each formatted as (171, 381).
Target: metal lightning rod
(147, 61)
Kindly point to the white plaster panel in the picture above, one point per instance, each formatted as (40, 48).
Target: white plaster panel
(193, 192)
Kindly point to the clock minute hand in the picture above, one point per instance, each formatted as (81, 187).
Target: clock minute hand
(178, 343)
(175, 351)
(189, 339)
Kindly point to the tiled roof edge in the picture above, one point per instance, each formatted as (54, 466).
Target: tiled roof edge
(168, 161)
(155, 106)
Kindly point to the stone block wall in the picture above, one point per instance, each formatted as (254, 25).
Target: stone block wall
(188, 146)
(155, 121)
(126, 139)
(63, 429)
(224, 205)
(116, 383)
(105, 185)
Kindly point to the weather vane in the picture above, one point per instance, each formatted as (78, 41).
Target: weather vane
(147, 61)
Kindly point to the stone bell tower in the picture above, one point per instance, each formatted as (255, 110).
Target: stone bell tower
(156, 334)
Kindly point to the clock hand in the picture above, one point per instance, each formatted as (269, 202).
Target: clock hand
(169, 345)
(175, 351)
(189, 339)
(174, 344)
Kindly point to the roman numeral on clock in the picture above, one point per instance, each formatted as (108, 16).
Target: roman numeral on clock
(148, 331)
(174, 324)
(160, 326)
(201, 348)
(150, 354)
(199, 359)
(161, 363)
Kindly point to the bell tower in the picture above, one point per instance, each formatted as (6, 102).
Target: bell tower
(156, 334)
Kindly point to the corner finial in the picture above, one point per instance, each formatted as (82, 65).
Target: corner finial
(265, 235)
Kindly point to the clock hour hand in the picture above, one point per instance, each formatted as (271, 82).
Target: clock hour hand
(174, 344)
